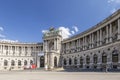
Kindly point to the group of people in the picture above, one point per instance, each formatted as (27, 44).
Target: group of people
(32, 66)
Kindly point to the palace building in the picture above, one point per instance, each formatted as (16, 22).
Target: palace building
(95, 48)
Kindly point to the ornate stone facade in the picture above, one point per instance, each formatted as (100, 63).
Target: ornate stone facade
(52, 47)
(95, 48)
(17, 56)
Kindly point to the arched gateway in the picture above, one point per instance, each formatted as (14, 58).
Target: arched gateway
(52, 47)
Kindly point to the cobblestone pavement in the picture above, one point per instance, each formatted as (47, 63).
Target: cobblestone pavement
(47, 75)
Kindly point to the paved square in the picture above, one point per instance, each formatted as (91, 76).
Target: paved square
(37, 75)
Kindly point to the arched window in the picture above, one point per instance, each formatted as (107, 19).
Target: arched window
(25, 62)
(55, 61)
(42, 61)
(81, 62)
(31, 61)
(115, 56)
(5, 63)
(12, 63)
(65, 62)
(87, 59)
(70, 61)
(104, 57)
(75, 61)
(19, 63)
(95, 58)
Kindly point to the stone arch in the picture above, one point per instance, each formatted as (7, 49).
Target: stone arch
(81, 62)
(55, 61)
(115, 58)
(31, 62)
(12, 63)
(70, 61)
(19, 63)
(87, 59)
(64, 61)
(41, 61)
(5, 63)
(25, 62)
(75, 60)
(95, 58)
(104, 57)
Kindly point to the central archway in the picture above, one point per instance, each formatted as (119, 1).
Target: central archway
(55, 61)
(42, 61)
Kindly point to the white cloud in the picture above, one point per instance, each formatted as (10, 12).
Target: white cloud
(113, 10)
(8, 40)
(114, 1)
(1, 29)
(66, 33)
(73, 32)
(114, 4)
(2, 36)
(43, 31)
(75, 28)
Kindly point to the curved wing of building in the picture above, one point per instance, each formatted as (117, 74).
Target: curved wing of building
(95, 48)
(17, 56)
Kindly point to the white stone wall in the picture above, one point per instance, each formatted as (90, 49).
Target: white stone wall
(102, 38)
(19, 52)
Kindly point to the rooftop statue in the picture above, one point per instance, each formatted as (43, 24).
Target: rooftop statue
(52, 31)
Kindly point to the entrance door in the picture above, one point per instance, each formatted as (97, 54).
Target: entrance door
(42, 61)
(55, 61)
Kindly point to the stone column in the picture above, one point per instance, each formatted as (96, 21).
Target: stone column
(0, 49)
(67, 62)
(118, 29)
(84, 62)
(51, 61)
(110, 39)
(91, 61)
(92, 40)
(83, 43)
(73, 62)
(77, 42)
(109, 60)
(98, 38)
(46, 61)
(78, 62)
(80, 45)
(118, 61)
(54, 44)
(38, 62)
(99, 61)
(107, 34)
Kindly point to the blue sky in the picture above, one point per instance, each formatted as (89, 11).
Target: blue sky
(25, 20)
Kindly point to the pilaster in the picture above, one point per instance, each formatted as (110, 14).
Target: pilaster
(118, 28)
(110, 39)
(107, 34)
(92, 40)
(100, 37)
